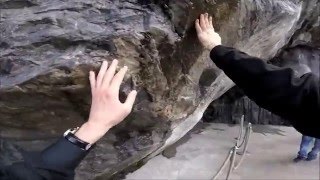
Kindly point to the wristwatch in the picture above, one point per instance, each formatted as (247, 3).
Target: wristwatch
(69, 135)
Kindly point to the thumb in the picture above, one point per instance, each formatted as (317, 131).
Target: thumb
(130, 99)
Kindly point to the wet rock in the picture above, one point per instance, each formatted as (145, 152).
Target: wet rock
(47, 48)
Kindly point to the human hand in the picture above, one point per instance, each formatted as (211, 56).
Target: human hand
(106, 108)
(206, 34)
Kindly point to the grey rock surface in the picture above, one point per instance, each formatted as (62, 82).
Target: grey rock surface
(47, 48)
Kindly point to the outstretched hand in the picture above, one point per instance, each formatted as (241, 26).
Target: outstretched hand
(206, 34)
(106, 109)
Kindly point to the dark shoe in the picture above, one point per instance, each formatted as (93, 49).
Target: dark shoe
(311, 158)
(298, 159)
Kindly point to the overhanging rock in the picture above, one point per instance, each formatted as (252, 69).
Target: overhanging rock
(47, 48)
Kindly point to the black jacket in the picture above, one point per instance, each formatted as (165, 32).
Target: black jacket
(274, 88)
(278, 90)
(57, 162)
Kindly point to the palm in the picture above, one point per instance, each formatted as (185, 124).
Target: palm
(106, 108)
(206, 34)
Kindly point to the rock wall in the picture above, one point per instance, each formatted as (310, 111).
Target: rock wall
(47, 48)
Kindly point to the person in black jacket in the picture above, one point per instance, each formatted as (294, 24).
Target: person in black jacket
(304, 151)
(300, 69)
(273, 88)
(59, 161)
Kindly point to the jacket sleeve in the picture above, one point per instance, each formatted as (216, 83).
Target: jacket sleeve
(56, 162)
(296, 99)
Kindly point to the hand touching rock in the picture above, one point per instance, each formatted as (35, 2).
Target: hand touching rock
(106, 109)
(206, 34)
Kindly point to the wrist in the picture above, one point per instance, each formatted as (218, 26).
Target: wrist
(90, 132)
(211, 46)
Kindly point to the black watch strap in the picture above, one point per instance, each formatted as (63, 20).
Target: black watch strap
(78, 142)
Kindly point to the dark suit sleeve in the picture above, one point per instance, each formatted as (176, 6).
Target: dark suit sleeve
(275, 89)
(56, 162)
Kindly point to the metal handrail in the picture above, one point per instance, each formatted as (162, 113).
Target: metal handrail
(223, 165)
(240, 130)
(233, 151)
(243, 154)
(232, 160)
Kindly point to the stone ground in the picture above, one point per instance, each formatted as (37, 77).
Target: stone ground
(201, 152)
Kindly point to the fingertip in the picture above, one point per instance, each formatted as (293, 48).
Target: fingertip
(124, 69)
(206, 17)
(131, 98)
(133, 95)
(104, 66)
(197, 22)
(92, 75)
(115, 63)
(92, 79)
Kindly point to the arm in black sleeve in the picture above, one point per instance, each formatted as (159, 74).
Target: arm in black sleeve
(56, 162)
(275, 89)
